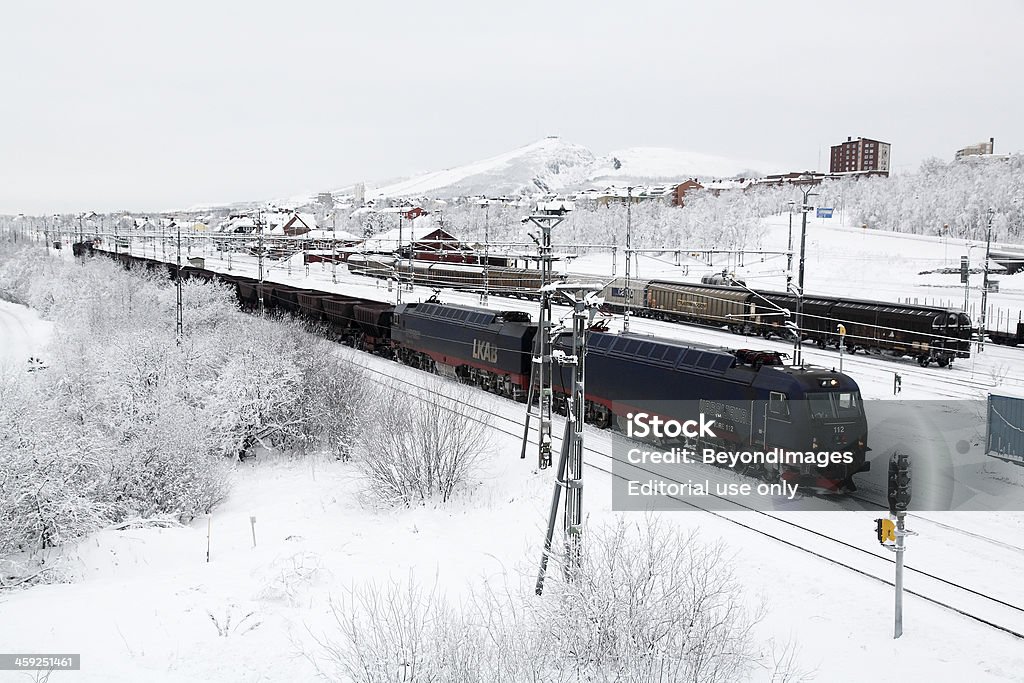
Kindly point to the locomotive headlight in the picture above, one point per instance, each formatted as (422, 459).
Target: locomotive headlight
(832, 382)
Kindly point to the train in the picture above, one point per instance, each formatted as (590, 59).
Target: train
(501, 280)
(757, 401)
(927, 334)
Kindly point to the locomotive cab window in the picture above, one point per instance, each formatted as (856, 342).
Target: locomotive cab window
(831, 405)
(778, 405)
(847, 403)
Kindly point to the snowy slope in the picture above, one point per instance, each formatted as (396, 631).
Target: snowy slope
(550, 163)
(555, 165)
(146, 604)
(637, 163)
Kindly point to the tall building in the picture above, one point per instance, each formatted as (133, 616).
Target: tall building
(860, 155)
(978, 149)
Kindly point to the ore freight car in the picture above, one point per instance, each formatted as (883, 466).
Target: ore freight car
(339, 312)
(758, 403)
(374, 320)
(707, 304)
(491, 349)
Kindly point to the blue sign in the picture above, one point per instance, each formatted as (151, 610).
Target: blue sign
(824, 212)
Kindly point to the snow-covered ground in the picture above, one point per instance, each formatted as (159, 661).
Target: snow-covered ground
(22, 335)
(145, 604)
(844, 260)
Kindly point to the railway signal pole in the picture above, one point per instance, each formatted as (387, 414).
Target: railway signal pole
(892, 535)
(178, 321)
(259, 258)
(487, 256)
(629, 255)
(570, 462)
(398, 265)
(789, 249)
(539, 395)
(984, 282)
(804, 208)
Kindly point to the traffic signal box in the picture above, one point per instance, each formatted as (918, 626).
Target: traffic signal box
(885, 530)
(899, 483)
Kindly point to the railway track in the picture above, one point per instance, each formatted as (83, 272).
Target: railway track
(995, 612)
(951, 382)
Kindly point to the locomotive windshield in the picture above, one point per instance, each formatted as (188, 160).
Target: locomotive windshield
(834, 405)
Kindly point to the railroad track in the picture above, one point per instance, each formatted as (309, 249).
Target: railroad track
(977, 605)
(938, 382)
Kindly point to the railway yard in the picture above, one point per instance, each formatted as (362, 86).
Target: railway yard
(959, 572)
(836, 537)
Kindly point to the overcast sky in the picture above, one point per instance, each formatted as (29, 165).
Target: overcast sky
(151, 106)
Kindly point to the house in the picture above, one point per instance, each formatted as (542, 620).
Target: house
(419, 241)
(295, 224)
(679, 191)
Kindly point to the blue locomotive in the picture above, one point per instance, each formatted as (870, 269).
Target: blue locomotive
(756, 401)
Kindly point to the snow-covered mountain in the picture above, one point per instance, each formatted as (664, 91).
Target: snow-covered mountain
(555, 165)
(643, 163)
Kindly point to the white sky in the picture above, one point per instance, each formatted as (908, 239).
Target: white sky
(140, 105)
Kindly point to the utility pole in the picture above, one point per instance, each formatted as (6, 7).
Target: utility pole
(799, 355)
(177, 283)
(629, 257)
(541, 374)
(487, 259)
(398, 266)
(789, 249)
(570, 462)
(259, 259)
(984, 282)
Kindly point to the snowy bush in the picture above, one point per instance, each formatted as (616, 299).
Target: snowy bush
(421, 444)
(389, 632)
(287, 577)
(334, 400)
(128, 423)
(651, 603)
(47, 474)
(648, 603)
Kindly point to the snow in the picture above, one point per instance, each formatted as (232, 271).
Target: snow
(23, 335)
(142, 602)
(664, 162)
(553, 164)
